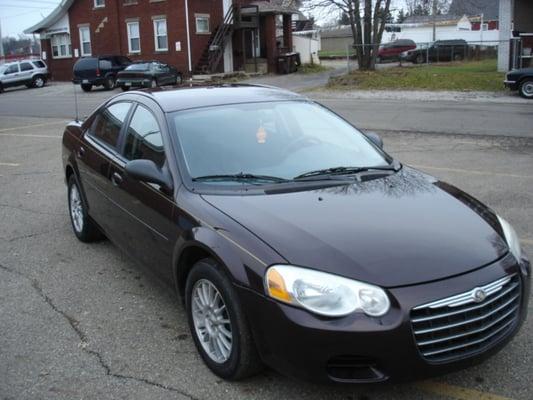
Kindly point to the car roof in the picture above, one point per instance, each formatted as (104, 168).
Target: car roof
(183, 98)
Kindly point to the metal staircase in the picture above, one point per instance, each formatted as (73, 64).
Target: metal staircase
(237, 17)
(214, 50)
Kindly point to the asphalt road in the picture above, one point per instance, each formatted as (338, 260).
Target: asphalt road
(466, 117)
(82, 321)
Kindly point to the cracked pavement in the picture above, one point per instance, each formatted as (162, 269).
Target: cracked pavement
(82, 321)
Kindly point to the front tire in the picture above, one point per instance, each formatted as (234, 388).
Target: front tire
(154, 84)
(419, 59)
(125, 88)
(526, 88)
(217, 322)
(84, 228)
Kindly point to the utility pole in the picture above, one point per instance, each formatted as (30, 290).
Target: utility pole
(434, 13)
(1, 41)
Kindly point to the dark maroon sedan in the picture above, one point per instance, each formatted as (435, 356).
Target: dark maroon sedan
(293, 238)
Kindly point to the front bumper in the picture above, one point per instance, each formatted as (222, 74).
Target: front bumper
(513, 85)
(361, 349)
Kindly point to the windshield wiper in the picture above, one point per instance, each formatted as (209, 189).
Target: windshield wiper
(327, 172)
(241, 176)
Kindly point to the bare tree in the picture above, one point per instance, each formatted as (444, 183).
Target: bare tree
(367, 20)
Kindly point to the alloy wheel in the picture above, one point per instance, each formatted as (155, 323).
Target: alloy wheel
(39, 82)
(76, 209)
(527, 89)
(211, 321)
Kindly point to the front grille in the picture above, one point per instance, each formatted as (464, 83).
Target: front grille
(461, 325)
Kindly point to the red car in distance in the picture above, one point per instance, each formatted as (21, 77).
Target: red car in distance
(392, 50)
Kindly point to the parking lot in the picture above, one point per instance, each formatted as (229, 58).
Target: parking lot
(82, 321)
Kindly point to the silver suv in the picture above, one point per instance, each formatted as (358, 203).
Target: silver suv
(32, 73)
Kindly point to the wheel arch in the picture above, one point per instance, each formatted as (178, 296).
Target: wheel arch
(202, 242)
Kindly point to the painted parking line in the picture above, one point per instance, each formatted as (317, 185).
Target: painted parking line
(7, 164)
(472, 171)
(30, 135)
(456, 392)
(16, 128)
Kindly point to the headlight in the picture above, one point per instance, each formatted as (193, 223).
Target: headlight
(323, 293)
(511, 238)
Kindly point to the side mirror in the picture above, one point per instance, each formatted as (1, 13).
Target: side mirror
(375, 138)
(147, 171)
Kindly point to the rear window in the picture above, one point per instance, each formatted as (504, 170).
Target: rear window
(39, 64)
(139, 67)
(85, 64)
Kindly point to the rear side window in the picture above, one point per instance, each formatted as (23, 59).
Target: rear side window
(107, 124)
(105, 64)
(39, 64)
(26, 66)
(85, 64)
(143, 138)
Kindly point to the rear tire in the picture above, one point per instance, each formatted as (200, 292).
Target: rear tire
(86, 87)
(83, 226)
(526, 88)
(419, 59)
(179, 79)
(109, 83)
(154, 84)
(38, 81)
(125, 88)
(205, 315)
(458, 57)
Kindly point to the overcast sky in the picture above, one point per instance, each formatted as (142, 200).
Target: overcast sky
(17, 15)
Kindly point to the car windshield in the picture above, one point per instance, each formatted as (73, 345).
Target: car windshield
(273, 140)
(139, 67)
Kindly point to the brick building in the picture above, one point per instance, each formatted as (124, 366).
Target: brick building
(218, 35)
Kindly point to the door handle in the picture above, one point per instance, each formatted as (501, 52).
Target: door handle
(81, 152)
(116, 179)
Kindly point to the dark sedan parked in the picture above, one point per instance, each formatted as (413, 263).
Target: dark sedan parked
(441, 50)
(293, 238)
(148, 74)
(521, 80)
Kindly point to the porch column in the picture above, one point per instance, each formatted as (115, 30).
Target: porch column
(287, 31)
(270, 41)
(505, 26)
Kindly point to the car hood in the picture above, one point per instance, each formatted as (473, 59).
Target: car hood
(404, 229)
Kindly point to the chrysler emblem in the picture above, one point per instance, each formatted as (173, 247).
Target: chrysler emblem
(479, 295)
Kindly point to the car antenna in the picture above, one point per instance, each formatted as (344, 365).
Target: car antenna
(76, 103)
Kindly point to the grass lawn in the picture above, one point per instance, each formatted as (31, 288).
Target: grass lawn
(473, 75)
(334, 54)
(311, 68)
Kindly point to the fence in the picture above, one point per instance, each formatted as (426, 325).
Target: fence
(426, 53)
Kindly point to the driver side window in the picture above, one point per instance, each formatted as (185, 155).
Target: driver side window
(143, 138)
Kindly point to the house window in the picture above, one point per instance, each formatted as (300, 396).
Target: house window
(61, 47)
(160, 34)
(202, 23)
(99, 3)
(134, 39)
(85, 41)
